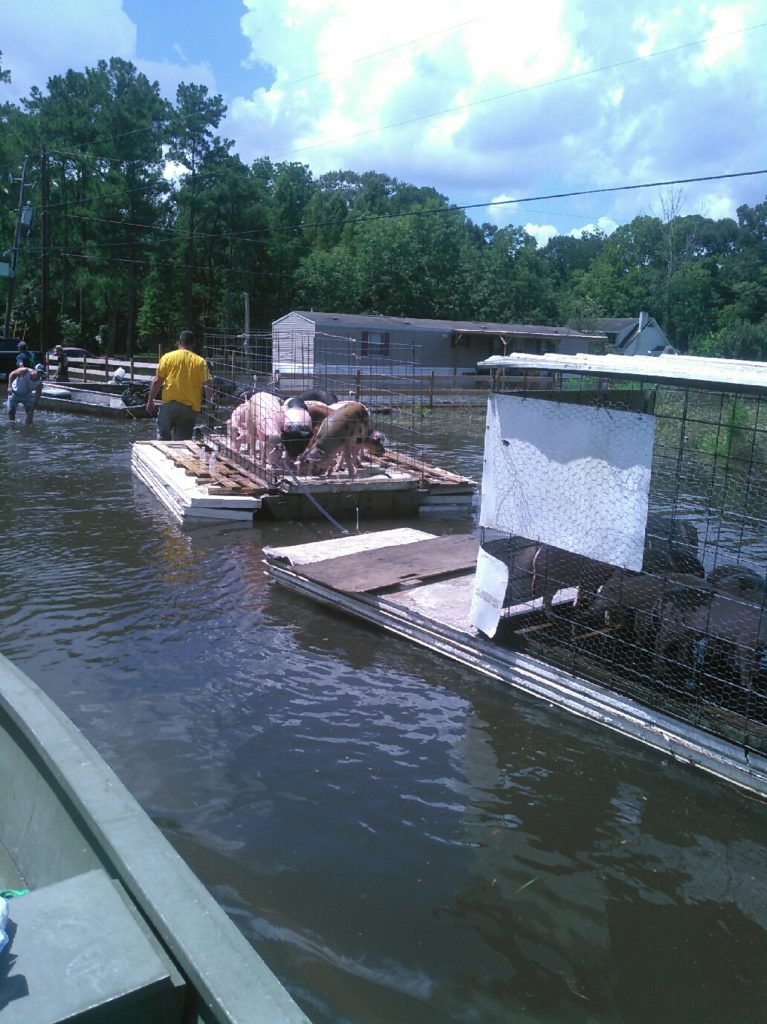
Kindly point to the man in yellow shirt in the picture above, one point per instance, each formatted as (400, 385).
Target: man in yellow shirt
(183, 377)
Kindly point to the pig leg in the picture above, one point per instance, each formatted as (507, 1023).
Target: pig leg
(348, 459)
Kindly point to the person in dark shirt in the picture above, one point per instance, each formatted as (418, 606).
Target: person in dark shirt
(62, 365)
(24, 357)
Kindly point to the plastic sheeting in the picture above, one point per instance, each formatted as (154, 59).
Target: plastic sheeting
(575, 477)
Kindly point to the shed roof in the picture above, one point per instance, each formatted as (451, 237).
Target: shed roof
(416, 324)
(738, 374)
(615, 323)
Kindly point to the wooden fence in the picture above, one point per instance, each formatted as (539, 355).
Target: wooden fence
(430, 389)
(98, 369)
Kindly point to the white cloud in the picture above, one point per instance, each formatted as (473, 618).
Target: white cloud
(650, 31)
(345, 74)
(604, 224)
(542, 233)
(523, 107)
(40, 39)
(718, 206)
(497, 99)
(725, 38)
(501, 216)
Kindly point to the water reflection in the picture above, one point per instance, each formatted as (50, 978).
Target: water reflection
(402, 840)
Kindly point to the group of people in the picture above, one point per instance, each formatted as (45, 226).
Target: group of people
(182, 376)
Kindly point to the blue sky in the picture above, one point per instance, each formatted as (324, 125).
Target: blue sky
(195, 33)
(488, 100)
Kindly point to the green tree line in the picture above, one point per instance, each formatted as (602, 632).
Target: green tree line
(123, 251)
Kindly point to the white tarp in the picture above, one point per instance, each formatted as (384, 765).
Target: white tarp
(573, 476)
(490, 582)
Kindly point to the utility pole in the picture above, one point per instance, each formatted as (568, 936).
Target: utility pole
(45, 275)
(23, 219)
(246, 332)
(246, 298)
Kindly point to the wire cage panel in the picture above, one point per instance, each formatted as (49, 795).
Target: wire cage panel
(686, 630)
(258, 377)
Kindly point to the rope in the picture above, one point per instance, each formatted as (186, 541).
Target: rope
(286, 466)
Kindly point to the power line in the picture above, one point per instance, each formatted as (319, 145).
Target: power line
(246, 236)
(614, 188)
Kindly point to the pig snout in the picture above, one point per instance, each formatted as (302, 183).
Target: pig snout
(375, 443)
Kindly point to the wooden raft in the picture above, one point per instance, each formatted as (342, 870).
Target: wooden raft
(380, 568)
(179, 473)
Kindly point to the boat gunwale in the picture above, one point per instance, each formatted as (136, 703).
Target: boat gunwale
(224, 969)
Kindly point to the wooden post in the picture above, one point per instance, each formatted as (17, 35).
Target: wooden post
(357, 384)
(45, 254)
(431, 391)
(15, 254)
(85, 369)
(131, 369)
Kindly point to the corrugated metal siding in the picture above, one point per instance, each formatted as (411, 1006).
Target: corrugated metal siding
(292, 343)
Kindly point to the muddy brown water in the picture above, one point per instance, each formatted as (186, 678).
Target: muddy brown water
(403, 841)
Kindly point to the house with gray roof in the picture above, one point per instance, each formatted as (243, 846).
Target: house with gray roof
(310, 341)
(634, 336)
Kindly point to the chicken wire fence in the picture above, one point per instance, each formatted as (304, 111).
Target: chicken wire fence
(633, 549)
(389, 383)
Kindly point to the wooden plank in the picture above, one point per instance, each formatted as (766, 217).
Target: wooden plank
(191, 466)
(367, 571)
(226, 479)
(433, 473)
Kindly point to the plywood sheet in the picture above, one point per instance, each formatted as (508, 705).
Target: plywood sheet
(367, 571)
(323, 550)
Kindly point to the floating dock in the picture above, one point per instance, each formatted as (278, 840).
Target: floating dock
(420, 587)
(180, 474)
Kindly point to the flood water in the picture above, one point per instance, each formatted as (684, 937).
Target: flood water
(403, 841)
